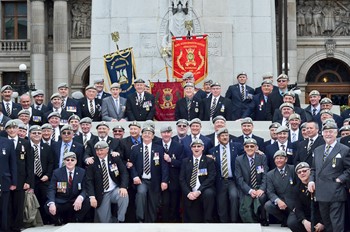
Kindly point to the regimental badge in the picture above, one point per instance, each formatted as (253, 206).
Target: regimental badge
(167, 99)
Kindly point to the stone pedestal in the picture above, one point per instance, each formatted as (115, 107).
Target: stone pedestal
(241, 33)
(37, 56)
(60, 43)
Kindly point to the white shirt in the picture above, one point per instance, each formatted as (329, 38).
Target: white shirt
(15, 140)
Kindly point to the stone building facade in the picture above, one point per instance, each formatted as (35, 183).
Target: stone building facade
(59, 40)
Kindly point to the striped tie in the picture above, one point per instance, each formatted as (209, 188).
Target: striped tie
(194, 174)
(105, 175)
(92, 110)
(64, 152)
(242, 92)
(224, 163)
(70, 180)
(37, 163)
(85, 140)
(54, 134)
(147, 167)
(310, 145)
(326, 153)
(253, 174)
(212, 109)
(188, 105)
(62, 104)
(8, 110)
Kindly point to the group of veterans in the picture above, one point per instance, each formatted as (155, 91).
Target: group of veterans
(299, 178)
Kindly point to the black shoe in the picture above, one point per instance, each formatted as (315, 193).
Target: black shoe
(58, 222)
(265, 223)
(284, 224)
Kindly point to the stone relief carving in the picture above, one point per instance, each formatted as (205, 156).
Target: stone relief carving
(323, 18)
(81, 19)
(330, 47)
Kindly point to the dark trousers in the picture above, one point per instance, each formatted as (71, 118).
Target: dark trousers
(147, 201)
(333, 215)
(66, 213)
(228, 201)
(130, 215)
(4, 206)
(16, 209)
(40, 191)
(171, 205)
(294, 224)
(273, 209)
(201, 209)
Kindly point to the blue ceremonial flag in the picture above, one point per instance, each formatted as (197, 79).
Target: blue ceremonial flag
(120, 68)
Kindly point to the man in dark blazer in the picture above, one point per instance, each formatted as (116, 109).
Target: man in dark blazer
(257, 107)
(326, 106)
(276, 98)
(314, 108)
(215, 105)
(295, 135)
(140, 106)
(8, 178)
(107, 183)
(113, 107)
(85, 135)
(56, 107)
(115, 145)
(66, 197)
(195, 127)
(9, 108)
(227, 196)
(240, 95)
(282, 143)
(197, 180)
(90, 106)
(150, 174)
(272, 129)
(247, 133)
(43, 168)
(306, 147)
(188, 78)
(36, 116)
(188, 107)
(99, 85)
(266, 77)
(329, 175)
(69, 105)
(3, 119)
(25, 174)
(67, 144)
(38, 104)
(173, 155)
(219, 122)
(281, 188)
(250, 172)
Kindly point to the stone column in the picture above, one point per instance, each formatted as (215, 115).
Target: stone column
(37, 56)
(60, 43)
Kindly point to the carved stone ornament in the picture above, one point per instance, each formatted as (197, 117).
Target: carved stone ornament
(80, 19)
(330, 47)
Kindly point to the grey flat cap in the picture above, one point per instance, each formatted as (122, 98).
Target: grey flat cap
(301, 165)
(279, 153)
(246, 120)
(35, 128)
(344, 128)
(326, 100)
(139, 80)
(118, 127)
(74, 117)
(182, 122)
(267, 82)
(55, 95)
(274, 125)
(241, 73)
(188, 75)
(290, 93)
(54, 114)
(99, 80)
(85, 120)
(46, 126)
(62, 85)
(283, 76)
(6, 87)
(314, 93)
(90, 87)
(282, 129)
(196, 120)
(69, 154)
(102, 123)
(208, 81)
(11, 123)
(101, 145)
(215, 84)
(329, 125)
(115, 85)
(189, 84)
(166, 129)
(219, 117)
(37, 93)
(135, 123)
(250, 141)
(286, 105)
(66, 127)
(294, 116)
(24, 111)
(148, 129)
(221, 131)
(325, 111)
(197, 141)
(267, 75)
(77, 95)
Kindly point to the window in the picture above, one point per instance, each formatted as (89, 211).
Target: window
(14, 19)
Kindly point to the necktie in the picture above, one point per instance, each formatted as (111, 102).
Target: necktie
(85, 140)
(105, 175)
(213, 106)
(287, 123)
(37, 163)
(294, 137)
(326, 153)
(62, 104)
(139, 98)
(54, 134)
(117, 104)
(92, 110)
(282, 173)
(253, 174)
(194, 174)
(224, 166)
(136, 142)
(38, 107)
(8, 110)
(147, 167)
(64, 152)
(70, 180)
(188, 105)
(283, 147)
(314, 111)
(242, 92)
(310, 145)
(166, 148)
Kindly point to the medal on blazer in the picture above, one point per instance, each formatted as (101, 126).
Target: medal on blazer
(156, 159)
(3, 151)
(79, 186)
(222, 108)
(23, 152)
(290, 180)
(334, 162)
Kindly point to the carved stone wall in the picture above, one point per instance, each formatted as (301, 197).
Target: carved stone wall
(80, 12)
(323, 18)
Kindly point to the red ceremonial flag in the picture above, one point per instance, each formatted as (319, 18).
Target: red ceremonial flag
(166, 95)
(190, 55)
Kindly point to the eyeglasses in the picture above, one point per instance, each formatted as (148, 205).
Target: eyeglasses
(249, 146)
(70, 160)
(182, 126)
(282, 81)
(118, 131)
(36, 133)
(66, 132)
(302, 171)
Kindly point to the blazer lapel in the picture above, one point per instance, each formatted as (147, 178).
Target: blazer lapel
(331, 155)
